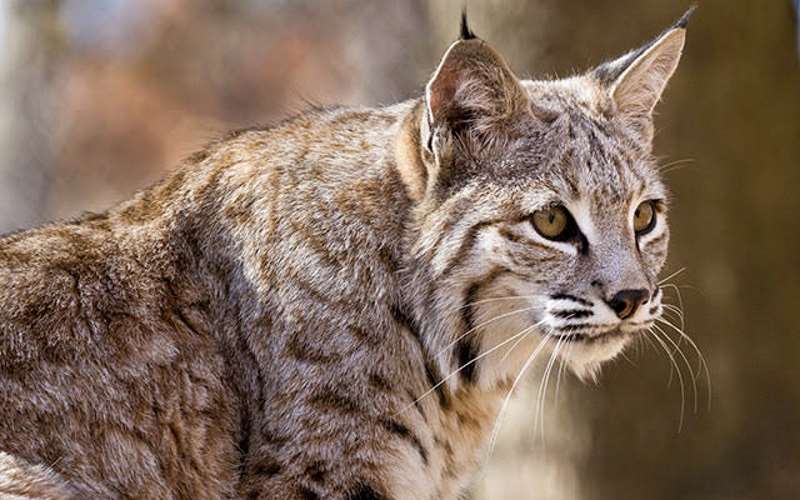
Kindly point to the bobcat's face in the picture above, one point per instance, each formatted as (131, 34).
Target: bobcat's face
(586, 242)
(546, 219)
(567, 232)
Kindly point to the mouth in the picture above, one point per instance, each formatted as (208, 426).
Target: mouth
(589, 334)
(590, 346)
(586, 338)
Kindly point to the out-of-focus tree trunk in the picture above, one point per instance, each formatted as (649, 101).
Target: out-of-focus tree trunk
(29, 65)
(797, 22)
(731, 120)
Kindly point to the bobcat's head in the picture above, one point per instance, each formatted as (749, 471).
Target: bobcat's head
(542, 219)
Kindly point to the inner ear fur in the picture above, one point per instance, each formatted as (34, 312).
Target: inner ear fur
(473, 91)
(469, 108)
(639, 88)
(636, 81)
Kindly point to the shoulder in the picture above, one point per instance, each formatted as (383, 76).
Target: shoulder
(315, 127)
(55, 282)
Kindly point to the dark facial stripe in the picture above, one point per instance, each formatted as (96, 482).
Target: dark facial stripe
(467, 348)
(466, 246)
(595, 143)
(456, 214)
(405, 433)
(510, 235)
(655, 241)
(365, 492)
(404, 320)
(566, 296)
(517, 238)
(572, 314)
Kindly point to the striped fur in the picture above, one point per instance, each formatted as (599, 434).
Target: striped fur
(296, 311)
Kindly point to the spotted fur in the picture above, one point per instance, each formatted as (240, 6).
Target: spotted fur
(304, 311)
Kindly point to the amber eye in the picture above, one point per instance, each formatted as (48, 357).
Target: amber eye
(644, 218)
(554, 223)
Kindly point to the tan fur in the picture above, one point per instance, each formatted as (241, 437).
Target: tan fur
(303, 311)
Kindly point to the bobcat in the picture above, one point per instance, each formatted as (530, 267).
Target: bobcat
(336, 306)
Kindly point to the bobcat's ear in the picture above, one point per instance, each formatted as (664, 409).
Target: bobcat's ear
(471, 95)
(636, 80)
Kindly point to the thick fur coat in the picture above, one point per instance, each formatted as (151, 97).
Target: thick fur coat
(314, 309)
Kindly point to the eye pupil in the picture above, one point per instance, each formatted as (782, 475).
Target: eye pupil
(553, 223)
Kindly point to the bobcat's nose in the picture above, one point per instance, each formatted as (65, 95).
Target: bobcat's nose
(626, 302)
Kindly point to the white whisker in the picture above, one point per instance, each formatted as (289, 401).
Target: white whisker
(561, 369)
(676, 311)
(676, 165)
(664, 280)
(504, 406)
(495, 299)
(677, 292)
(487, 322)
(515, 344)
(627, 358)
(468, 363)
(680, 376)
(686, 362)
(700, 357)
(542, 394)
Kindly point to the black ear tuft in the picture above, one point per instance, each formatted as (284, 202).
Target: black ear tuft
(466, 33)
(610, 71)
(684, 20)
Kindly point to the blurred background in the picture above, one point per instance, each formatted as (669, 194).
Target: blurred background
(100, 98)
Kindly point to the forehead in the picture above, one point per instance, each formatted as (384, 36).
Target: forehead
(577, 153)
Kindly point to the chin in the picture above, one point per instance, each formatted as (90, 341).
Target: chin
(587, 356)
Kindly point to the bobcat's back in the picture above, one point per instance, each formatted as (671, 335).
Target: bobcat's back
(160, 346)
(335, 307)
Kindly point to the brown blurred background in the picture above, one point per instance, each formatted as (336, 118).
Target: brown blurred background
(100, 98)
